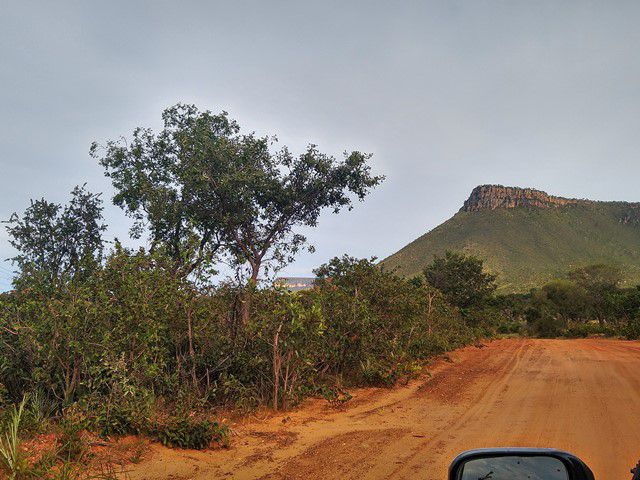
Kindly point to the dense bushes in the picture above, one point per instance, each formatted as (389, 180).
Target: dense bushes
(587, 302)
(136, 340)
(632, 329)
(187, 432)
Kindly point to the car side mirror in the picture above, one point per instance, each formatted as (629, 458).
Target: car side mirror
(512, 463)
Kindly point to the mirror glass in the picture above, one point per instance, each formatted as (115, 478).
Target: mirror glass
(514, 468)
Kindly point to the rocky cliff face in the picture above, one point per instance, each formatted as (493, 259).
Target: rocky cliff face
(491, 197)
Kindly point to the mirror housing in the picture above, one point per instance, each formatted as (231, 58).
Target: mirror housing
(576, 468)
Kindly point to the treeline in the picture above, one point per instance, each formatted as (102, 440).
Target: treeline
(586, 301)
(134, 333)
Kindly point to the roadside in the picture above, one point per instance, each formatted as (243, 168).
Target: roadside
(570, 394)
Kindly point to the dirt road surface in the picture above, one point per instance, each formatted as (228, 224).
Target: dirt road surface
(578, 395)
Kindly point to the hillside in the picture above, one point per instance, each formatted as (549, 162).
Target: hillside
(528, 237)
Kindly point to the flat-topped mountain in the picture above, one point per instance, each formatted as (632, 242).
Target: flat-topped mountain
(529, 237)
(490, 197)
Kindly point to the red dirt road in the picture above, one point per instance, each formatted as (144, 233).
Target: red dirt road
(578, 395)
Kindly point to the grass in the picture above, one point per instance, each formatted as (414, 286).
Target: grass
(12, 461)
(62, 463)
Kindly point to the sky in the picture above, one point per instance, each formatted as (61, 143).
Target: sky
(446, 95)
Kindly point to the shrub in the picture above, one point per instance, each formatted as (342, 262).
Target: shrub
(631, 330)
(135, 335)
(112, 416)
(547, 325)
(188, 432)
(587, 329)
(117, 419)
(510, 328)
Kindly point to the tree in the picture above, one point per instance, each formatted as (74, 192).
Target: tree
(600, 282)
(542, 315)
(461, 279)
(626, 303)
(570, 300)
(596, 277)
(349, 272)
(57, 242)
(284, 192)
(199, 181)
(154, 175)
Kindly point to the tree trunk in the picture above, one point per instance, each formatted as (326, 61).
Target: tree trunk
(277, 366)
(247, 297)
(192, 352)
(429, 308)
(71, 380)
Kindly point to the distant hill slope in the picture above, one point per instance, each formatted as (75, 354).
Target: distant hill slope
(528, 237)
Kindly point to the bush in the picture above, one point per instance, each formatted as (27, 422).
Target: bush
(631, 330)
(188, 432)
(588, 329)
(547, 325)
(117, 419)
(510, 328)
(134, 335)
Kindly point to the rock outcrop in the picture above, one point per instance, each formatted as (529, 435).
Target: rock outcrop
(491, 197)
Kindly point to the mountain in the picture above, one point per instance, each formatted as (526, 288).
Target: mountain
(529, 237)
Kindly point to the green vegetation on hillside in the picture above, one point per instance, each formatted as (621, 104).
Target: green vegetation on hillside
(527, 247)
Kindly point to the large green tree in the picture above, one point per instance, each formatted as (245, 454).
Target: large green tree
(571, 301)
(461, 279)
(207, 192)
(600, 283)
(154, 176)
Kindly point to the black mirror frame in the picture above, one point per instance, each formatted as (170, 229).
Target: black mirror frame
(577, 469)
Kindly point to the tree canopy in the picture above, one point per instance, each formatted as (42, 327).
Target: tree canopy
(58, 242)
(600, 281)
(461, 279)
(207, 192)
(597, 276)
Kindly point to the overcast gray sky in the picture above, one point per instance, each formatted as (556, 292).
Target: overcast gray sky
(446, 95)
